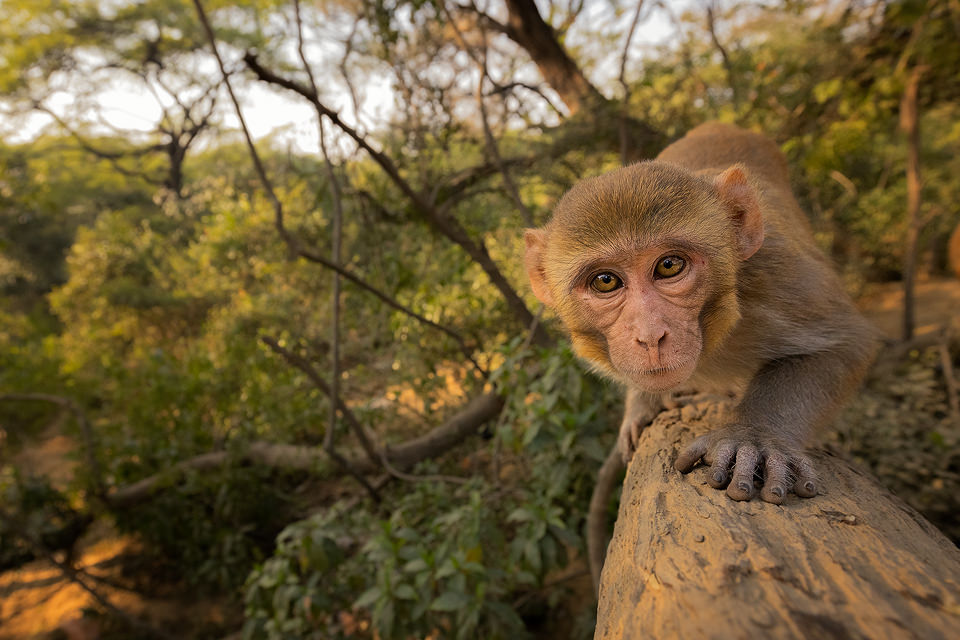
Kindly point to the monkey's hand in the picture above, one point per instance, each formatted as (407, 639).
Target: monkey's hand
(740, 457)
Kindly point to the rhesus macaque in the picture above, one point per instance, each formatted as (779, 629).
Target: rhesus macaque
(698, 270)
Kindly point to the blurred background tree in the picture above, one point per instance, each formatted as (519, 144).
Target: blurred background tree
(293, 428)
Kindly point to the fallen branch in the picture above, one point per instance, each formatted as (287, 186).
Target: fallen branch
(307, 458)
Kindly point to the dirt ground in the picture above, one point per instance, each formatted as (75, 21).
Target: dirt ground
(937, 303)
(36, 601)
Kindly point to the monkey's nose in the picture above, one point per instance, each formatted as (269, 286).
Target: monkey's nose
(654, 341)
(653, 345)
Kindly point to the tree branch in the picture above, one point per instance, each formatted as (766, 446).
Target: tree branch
(440, 439)
(446, 225)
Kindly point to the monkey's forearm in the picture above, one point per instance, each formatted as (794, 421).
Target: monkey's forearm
(639, 409)
(789, 398)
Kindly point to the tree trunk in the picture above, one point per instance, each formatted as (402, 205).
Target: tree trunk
(526, 27)
(687, 562)
(910, 123)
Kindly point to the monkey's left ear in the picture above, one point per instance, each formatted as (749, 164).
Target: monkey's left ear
(741, 197)
(536, 241)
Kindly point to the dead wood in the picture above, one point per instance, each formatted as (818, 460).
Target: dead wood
(685, 561)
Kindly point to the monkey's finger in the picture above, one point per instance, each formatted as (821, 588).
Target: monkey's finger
(722, 459)
(806, 484)
(741, 485)
(691, 455)
(776, 478)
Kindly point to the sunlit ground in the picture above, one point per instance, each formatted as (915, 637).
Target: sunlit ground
(937, 303)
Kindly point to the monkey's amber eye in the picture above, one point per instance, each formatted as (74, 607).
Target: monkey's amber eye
(606, 282)
(669, 266)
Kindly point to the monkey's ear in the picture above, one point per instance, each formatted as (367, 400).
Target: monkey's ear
(741, 197)
(536, 240)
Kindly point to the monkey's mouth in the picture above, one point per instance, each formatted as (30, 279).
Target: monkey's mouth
(659, 371)
(660, 379)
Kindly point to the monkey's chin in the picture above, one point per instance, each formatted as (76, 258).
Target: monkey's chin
(660, 380)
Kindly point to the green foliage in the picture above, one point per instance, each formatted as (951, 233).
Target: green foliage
(458, 559)
(211, 528)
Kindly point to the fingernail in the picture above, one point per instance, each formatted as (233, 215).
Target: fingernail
(809, 487)
(719, 477)
(777, 491)
(743, 486)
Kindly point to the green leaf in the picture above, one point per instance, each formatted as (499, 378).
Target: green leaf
(405, 592)
(367, 598)
(450, 601)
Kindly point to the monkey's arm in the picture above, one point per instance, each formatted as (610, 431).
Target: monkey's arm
(783, 405)
(638, 412)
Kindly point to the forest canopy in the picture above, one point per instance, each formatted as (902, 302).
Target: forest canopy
(262, 262)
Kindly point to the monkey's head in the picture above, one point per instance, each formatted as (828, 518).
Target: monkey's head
(641, 266)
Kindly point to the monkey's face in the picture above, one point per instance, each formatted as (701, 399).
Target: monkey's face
(641, 264)
(639, 317)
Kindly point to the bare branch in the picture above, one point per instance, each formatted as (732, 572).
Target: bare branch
(446, 225)
(491, 143)
(732, 79)
(336, 233)
(336, 405)
(348, 416)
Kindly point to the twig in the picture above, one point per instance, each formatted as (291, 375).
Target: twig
(727, 65)
(409, 477)
(448, 226)
(317, 379)
(338, 404)
(491, 142)
(624, 114)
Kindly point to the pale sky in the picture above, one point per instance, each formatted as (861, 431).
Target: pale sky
(126, 106)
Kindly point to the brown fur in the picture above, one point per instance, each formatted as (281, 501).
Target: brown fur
(757, 305)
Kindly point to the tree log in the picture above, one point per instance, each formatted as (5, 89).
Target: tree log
(685, 561)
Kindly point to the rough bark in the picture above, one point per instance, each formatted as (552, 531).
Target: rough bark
(685, 561)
